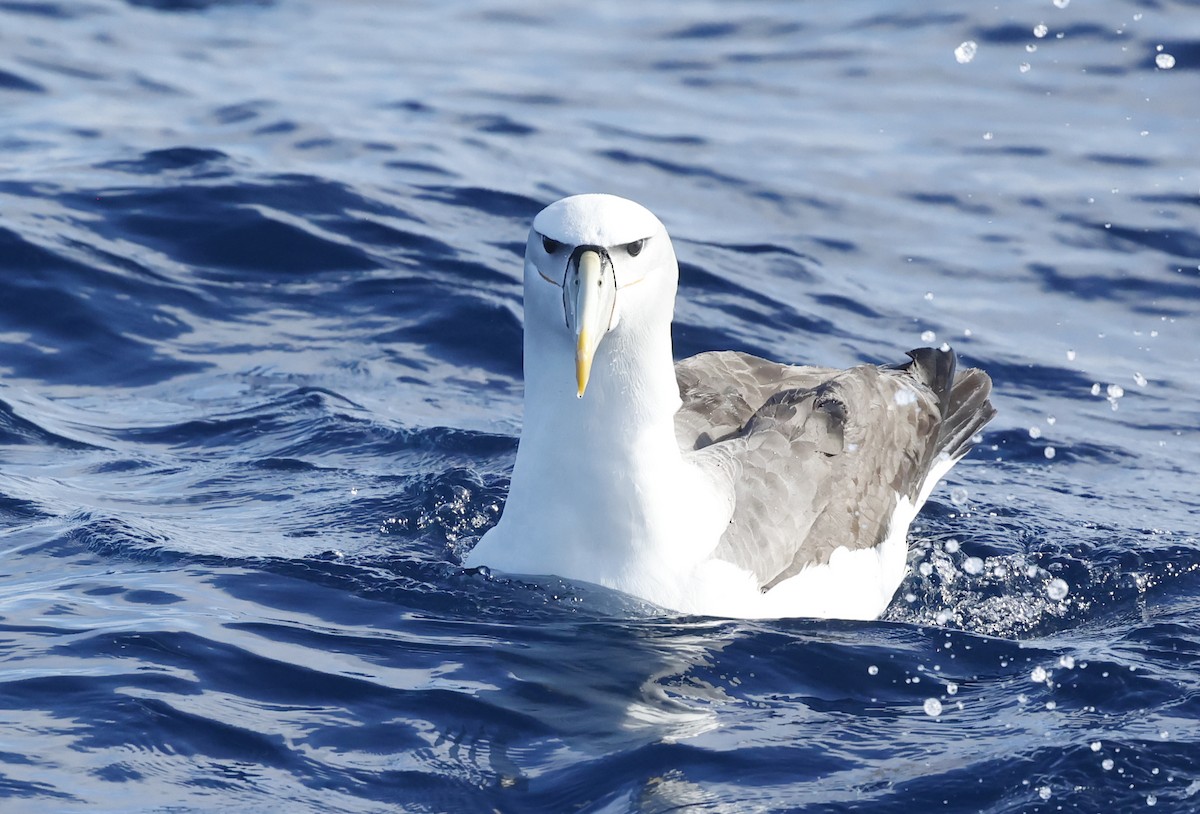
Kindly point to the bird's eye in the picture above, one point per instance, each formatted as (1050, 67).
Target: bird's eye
(550, 244)
(635, 248)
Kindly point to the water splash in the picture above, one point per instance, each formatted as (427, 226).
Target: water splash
(1057, 589)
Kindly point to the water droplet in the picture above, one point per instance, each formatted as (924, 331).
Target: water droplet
(1067, 662)
(1096, 746)
(965, 52)
(1040, 30)
(1038, 674)
(1049, 452)
(1139, 379)
(1051, 420)
(988, 136)
(1107, 763)
(973, 566)
(1030, 48)
(1115, 391)
(1096, 388)
(873, 670)
(1165, 61)
(951, 689)
(928, 336)
(933, 707)
(951, 546)
(926, 568)
(1070, 356)
(1044, 792)
(1062, 3)
(1057, 589)
(929, 295)
(1035, 433)
(958, 496)
(1024, 67)
(1151, 800)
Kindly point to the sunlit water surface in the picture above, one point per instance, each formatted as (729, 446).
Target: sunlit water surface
(260, 389)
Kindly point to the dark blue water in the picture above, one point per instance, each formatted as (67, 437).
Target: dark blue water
(260, 389)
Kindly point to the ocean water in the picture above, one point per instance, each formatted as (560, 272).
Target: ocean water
(260, 388)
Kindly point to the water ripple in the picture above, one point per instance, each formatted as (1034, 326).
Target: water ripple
(260, 350)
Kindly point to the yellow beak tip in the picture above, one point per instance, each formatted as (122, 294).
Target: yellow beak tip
(583, 363)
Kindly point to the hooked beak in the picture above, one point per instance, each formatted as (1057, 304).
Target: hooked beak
(589, 299)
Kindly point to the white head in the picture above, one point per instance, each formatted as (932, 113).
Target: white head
(595, 265)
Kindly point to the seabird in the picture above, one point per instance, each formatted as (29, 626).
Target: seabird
(724, 485)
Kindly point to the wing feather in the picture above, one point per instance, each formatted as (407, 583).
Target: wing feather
(817, 458)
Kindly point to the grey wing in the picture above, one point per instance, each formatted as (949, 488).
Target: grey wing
(821, 461)
(723, 389)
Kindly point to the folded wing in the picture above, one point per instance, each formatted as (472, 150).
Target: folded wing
(818, 458)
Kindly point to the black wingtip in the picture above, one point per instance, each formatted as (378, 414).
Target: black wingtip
(935, 368)
(962, 397)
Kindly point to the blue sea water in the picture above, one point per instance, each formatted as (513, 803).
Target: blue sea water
(260, 388)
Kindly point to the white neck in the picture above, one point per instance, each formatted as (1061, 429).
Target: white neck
(599, 481)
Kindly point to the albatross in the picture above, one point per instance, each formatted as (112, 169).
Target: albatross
(725, 484)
